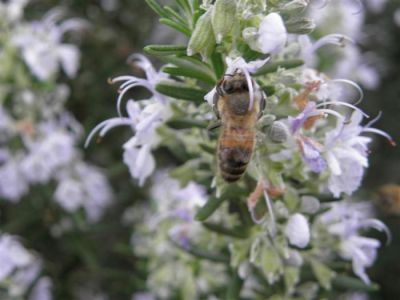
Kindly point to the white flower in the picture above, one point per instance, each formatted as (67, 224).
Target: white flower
(42, 48)
(140, 161)
(270, 37)
(12, 10)
(12, 184)
(42, 290)
(362, 252)
(345, 220)
(143, 296)
(69, 194)
(193, 195)
(53, 151)
(143, 116)
(309, 49)
(298, 231)
(12, 256)
(97, 190)
(346, 154)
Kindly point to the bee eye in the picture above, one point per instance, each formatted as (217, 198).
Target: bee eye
(228, 87)
(244, 86)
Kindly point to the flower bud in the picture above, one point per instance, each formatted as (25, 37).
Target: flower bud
(202, 40)
(266, 120)
(223, 18)
(278, 132)
(295, 7)
(300, 26)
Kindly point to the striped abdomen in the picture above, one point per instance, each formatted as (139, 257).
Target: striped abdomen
(234, 152)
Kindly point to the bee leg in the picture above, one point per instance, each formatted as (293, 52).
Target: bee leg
(215, 125)
(262, 105)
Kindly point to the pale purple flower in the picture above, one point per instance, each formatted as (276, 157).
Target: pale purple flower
(270, 37)
(309, 49)
(297, 231)
(143, 296)
(140, 162)
(83, 186)
(51, 152)
(42, 290)
(97, 191)
(143, 116)
(41, 45)
(70, 194)
(311, 154)
(18, 267)
(344, 16)
(22, 278)
(12, 184)
(346, 153)
(345, 220)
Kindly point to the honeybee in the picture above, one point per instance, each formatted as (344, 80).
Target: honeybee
(238, 134)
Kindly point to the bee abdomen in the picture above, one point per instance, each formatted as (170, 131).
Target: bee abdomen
(233, 162)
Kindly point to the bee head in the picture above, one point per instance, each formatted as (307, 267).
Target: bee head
(234, 83)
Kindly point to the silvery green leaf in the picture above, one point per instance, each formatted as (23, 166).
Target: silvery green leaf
(323, 274)
(291, 277)
(180, 91)
(271, 263)
(275, 65)
(162, 50)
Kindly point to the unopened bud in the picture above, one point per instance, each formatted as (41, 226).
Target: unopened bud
(223, 18)
(295, 7)
(300, 25)
(202, 40)
(278, 132)
(266, 120)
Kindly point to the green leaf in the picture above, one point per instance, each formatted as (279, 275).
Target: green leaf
(347, 282)
(291, 199)
(270, 263)
(177, 26)
(180, 91)
(176, 71)
(164, 50)
(234, 287)
(176, 15)
(193, 66)
(232, 232)
(201, 253)
(274, 66)
(218, 64)
(184, 4)
(323, 274)
(291, 276)
(157, 8)
(208, 209)
(183, 123)
(239, 251)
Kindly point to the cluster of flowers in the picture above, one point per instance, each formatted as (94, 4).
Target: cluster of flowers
(38, 136)
(311, 147)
